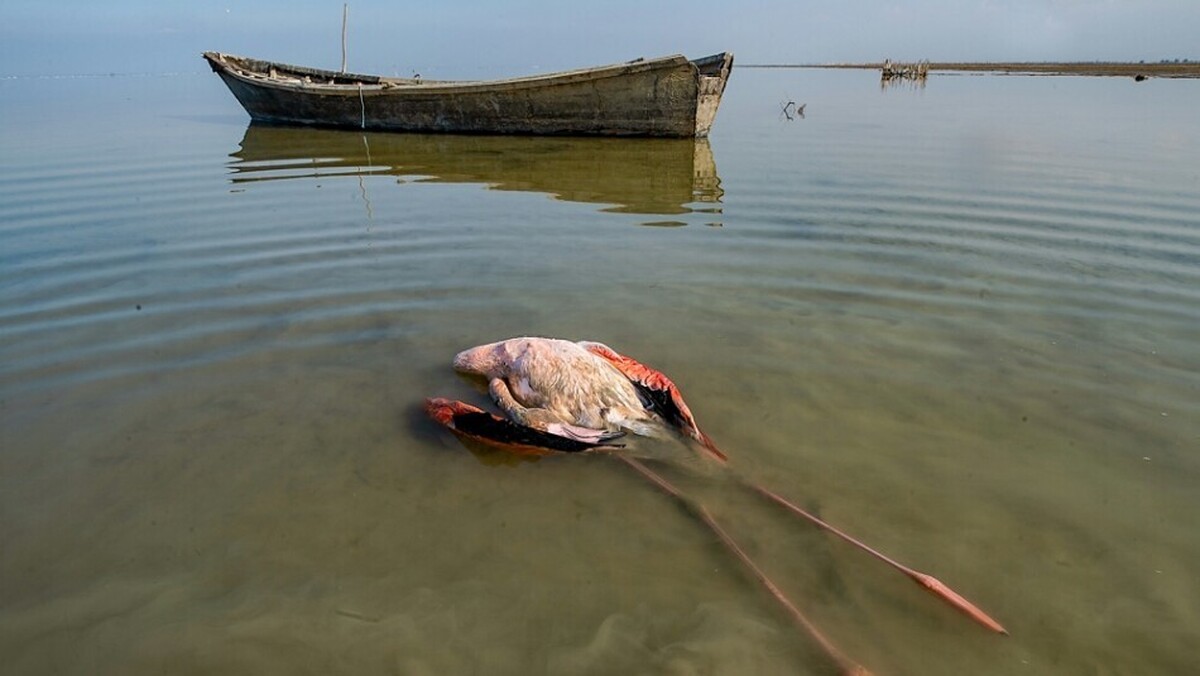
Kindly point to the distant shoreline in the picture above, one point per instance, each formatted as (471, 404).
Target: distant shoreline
(1190, 69)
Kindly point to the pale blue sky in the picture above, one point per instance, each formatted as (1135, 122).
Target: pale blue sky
(468, 38)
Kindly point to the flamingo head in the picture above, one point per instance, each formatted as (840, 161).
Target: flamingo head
(491, 360)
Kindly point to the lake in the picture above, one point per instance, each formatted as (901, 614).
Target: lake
(960, 322)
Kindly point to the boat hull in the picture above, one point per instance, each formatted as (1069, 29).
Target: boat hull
(671, 96)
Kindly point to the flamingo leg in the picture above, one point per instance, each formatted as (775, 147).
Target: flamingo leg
(667, 401)
(847, 666)
(928, 582)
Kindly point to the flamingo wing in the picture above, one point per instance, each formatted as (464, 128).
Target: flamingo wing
(474, 423)
(661, 395)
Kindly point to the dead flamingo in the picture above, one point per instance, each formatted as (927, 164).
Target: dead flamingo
(559, 387)
(562, 396)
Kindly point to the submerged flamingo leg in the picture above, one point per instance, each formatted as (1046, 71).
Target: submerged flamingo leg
(932, 584)
(677, 413)
(848, 666)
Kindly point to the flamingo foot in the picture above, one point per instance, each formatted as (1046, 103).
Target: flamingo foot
(939, 588)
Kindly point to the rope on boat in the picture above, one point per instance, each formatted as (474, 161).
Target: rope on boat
(362, 108)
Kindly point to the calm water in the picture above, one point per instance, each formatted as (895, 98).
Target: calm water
(962, 323)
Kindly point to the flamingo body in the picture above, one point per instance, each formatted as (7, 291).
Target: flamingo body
(560, 387)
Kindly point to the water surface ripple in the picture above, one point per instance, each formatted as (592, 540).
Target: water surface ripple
(960, 322)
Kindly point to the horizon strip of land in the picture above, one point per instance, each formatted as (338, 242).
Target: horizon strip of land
(1180, 69)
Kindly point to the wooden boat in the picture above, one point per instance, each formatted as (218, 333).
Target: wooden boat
(668, 96)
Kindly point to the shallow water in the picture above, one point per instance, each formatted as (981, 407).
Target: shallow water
(960, 322)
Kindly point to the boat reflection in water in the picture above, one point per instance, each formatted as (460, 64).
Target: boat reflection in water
(654, 176)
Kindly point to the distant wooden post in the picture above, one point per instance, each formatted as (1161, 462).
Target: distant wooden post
(345, 9)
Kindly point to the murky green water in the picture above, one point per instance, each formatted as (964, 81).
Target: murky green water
(962, 323)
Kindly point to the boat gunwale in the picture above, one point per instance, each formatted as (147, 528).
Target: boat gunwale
(227, 64)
